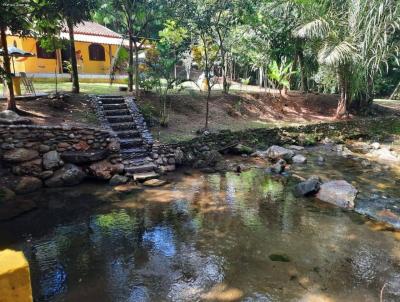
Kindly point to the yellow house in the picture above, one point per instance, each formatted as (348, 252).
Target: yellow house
(95, 47)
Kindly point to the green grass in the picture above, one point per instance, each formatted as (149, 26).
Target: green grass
(89, 88)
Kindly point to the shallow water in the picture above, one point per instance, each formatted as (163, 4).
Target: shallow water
(215, 237)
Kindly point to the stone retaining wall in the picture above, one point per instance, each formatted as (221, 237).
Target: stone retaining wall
(33, 156)
(203, 147)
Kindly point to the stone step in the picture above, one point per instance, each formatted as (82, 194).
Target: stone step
(112, 101)
(128, 134)
(116, 112)
(140, 169)
(123, 126)
(130, 142)
(144, 176)
(115, 106)
(110, 96)
(134, 152)
(120, 119)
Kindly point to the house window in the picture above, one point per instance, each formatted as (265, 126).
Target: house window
(43, 54)
(96, 52)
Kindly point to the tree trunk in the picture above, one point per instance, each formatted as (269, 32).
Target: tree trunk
(137, 92)
(395, 92)
(130, 66)
(223, 67)
(303, 75)
(74, 65)
(207, 103)
(261, 72)
(11, 105)
(342, 108)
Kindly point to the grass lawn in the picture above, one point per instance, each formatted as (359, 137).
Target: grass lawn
(89, 88)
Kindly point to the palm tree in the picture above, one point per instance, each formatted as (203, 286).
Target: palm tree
(355, 38)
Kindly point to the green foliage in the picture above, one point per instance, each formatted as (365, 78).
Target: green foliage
(280, 74)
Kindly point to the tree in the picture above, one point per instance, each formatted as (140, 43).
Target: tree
(161, 61)
(15, 18)
(73, 12)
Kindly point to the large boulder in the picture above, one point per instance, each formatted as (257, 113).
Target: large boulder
(309, 187)
(20, 155)
(380, 208)
(211, 158)
(69, 175)
(105, 170)
(83, 157)
(385, 155)
(339, 193)
(51, 160)
(27, 184)
(277, 152)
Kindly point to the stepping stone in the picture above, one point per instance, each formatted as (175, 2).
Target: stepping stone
(127, 188)
(155, 183)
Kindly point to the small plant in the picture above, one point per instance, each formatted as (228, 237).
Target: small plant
(280, 74)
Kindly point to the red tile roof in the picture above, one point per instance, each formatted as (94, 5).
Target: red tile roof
(94, 29)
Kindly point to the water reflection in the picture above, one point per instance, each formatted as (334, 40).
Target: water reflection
(210, 238)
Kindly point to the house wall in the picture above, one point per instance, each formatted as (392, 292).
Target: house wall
(36, 65)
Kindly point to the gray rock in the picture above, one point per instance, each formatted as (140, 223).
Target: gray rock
(20, 155)
(320, 159)
(375, 145)
(69, 175)
(278, 167)
(259, 153)
(11, 118)
(82, 157)
(27, 184)
(46, 174)
(365, 163)
(277, 152)
(309, 187)
(118, 180)
(385, 155)
(211, 158)
(44, 148)
(299, 159)
(179, 156)
(51, 160)
(241, 149)
(381, 209)
(339, 193)
(296, 148)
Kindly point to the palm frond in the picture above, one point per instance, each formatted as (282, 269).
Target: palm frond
(337, 54)
(318, 28)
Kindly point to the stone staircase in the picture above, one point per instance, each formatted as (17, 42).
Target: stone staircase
(121, 115)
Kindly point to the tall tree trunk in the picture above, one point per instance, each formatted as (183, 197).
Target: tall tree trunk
(130, 67)
(208, 103)
(261, 75)
(342, 108)
(303, 74)
(223, 67)
(137, 92)
(74, 64)
(11, 105)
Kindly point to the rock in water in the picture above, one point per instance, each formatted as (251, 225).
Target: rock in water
(51, 160)
(309, 187)
(385, 155)
(20, 155)
(105, 170)
(381, 209)
(299, 159)
(339, 193)
(69, 175)
(154, 183)
(277, 152)
(118, 180)
(28, 184)
(277, 168)
(127, 188)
